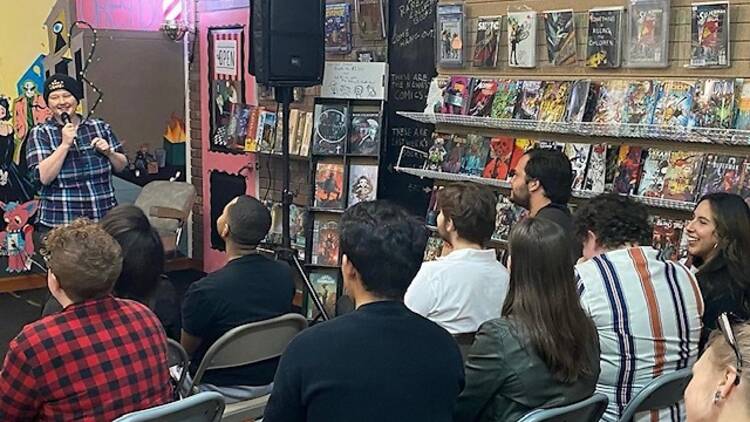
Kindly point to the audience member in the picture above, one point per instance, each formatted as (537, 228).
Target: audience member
(381, 362)
(250, 288)
(647, 311)
(544, 350)
(99, 358)
(719, 243)
(719, 390)
(462, 290)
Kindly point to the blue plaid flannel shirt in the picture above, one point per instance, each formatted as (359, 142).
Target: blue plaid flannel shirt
(83, 188)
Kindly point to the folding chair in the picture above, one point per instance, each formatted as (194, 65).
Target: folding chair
(589, 410)
(177, 356)
(246, 344)
(167, 205)
(203, 407)
(661, 392)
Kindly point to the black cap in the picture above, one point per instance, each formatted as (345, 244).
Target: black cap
(61, 81)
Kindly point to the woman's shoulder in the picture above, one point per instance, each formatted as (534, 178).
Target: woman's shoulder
(503, 330)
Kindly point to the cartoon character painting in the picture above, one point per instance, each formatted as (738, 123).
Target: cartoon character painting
(17, 242)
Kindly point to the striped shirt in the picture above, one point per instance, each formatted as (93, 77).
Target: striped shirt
(648, 315)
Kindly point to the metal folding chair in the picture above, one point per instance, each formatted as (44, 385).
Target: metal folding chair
(202, 407)
(661, 392)
(589, 410)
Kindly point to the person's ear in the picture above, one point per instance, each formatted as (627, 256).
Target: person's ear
(726, 386)
(347, 268)
(534, 185)
(53, 284)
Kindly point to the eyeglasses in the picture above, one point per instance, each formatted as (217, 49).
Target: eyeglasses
(725, 326)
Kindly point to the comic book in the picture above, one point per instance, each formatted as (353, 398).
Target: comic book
(721, 173)
(457, 95)
(304, 148)
(338, 28)
(683, 174)
(674, 104)
(579, 94)
(592, 101)
(501, 152)
(529, 99)
(522, 39)
(325, 282)
(434, 248)
(519, 149)
(560, 32)
(578, 154)
(653, 176)
(550, 144)
(713, 104)
(455, 150)
(666, 238)
(438, 152)
(331, 129)
(297, 227)
(371, 19)
(648, 33)
(293, 131)
(554, 101)
(486, 45)
(266, 136)
(507, 214)
(237, 128)
(449, 35)
(640, 103)
(612, 161)
(742, 105)
(597, 169)
(710, 34)
(745, 184)
(325, 243)
(364, 133)
(482, 94)
(604, 38)
(475, 155)
(329, 185)
(363, 183)
(505, 99)
(628, 170)
(610, 107)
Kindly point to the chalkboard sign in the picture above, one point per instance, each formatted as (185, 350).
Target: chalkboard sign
(411, 62)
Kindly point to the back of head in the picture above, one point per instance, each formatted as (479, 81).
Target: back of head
(542, 297)
(722, 354)
(616, 220)
(471, 207)
(385, 244)
(142, 251)
(85, 259)
(553, 170)
(248, 220)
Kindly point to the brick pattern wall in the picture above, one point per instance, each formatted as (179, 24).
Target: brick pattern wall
(196, 139)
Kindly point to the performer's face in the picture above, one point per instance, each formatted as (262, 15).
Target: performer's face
(62, 101)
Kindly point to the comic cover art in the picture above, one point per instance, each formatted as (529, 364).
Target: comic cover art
(437, 152)
(238, 123)
(507, 215)
(610, 107)
(592, 101)
(331, 129)
(597, 169)
(265, 133)
(579, 92)
(364, 134)
(338, 28)
(434, 248)
(683, 174)
(505, 99)
(578, 154)
(666, 238)
(450, 35)
(371, 19)
(713, 104)
(483, 93)
(742, 106)
(529, 99)
(487, 41)
(710, 34)
(454, 157)
(522, 39)
(297, 227)
(653, 176)
(721, 173)
(554, 101)
(475, 155)
(745, 184)
(519, 149)
(325, 244)
(604, 38)
(648, 30)
(329, 185)
(325, 282)
(613, 157)
(363, 183)
(628, 170)
(457, 95)
(673, 107)
(501, 152)
(560, 32)
(640, 103)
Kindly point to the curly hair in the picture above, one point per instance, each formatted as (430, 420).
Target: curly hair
(84, 258)
(615, 220)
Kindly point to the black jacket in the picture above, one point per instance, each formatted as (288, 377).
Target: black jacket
(720, 294)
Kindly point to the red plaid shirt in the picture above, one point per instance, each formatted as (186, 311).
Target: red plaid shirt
(94, 361)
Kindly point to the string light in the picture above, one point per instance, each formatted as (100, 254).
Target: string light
(89, 59)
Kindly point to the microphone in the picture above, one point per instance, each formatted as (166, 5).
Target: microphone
(65, 117)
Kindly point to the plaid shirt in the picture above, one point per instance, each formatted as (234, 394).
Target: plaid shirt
(83, 188)
(94, 361)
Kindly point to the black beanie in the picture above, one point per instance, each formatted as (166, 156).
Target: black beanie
(61, 81)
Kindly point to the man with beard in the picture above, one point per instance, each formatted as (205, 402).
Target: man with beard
(73, 158)
(467, 287)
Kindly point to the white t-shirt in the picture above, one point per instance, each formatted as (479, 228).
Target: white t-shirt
(460, 291)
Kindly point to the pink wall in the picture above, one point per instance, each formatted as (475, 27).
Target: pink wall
(135, 15)
(213, 259)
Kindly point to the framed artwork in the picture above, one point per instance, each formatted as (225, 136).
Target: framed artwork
(227, 81)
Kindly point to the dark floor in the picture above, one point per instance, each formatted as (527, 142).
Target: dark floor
(18, 309)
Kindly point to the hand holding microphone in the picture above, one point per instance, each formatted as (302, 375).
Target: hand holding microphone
(68, 131)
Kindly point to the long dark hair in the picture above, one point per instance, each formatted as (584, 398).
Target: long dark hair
(542, 297)
(731, 216)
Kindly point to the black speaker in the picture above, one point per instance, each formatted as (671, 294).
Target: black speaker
(288, 42)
